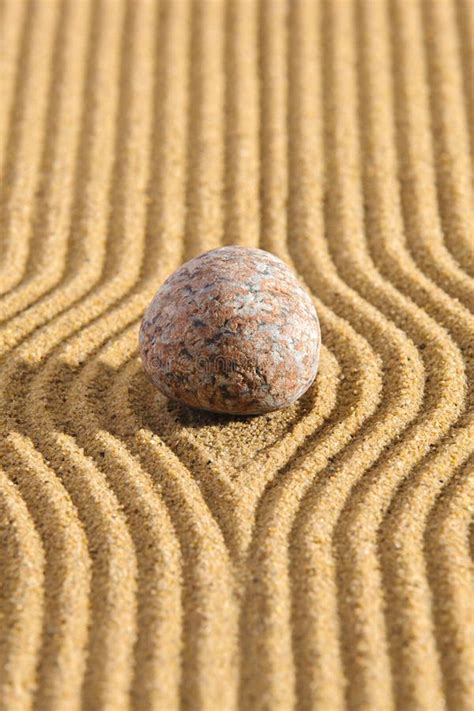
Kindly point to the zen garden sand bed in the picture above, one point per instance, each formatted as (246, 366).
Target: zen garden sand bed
(158, 558)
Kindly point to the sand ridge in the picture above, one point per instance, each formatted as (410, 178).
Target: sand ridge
(159, 558)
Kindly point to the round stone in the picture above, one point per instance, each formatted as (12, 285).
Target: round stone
(232, 331)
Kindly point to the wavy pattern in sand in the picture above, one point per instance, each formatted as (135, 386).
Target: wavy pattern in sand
(157, 558)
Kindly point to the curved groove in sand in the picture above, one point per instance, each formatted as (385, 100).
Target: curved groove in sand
(60, 658)
(409, 658)
(272, 166)
(451, 580)
(275, 505)
(357, 274)
(465, 23)
(25, 138)
(355, 531)
(51, 214)
(450, 134)
(416, 167)
(196, 530)
(89, 208)
(413, 608)
(393, 350)
(156, 678)
(21, 595)
(114, 541)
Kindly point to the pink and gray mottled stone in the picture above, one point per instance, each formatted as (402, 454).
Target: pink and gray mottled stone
(231, 331)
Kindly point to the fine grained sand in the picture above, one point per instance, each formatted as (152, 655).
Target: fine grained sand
(157, 558)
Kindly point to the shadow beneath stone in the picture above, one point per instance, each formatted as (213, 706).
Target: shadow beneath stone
(188, 416)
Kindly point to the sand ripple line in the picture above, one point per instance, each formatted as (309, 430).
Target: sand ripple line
(25, 139)
(450, 132)
(22, 561)
(158, 557)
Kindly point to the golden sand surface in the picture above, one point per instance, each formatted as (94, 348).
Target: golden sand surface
(157, 558)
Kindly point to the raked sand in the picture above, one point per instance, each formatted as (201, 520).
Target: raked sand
(156, 558)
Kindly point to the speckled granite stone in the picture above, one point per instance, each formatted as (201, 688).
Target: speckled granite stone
(231, 331)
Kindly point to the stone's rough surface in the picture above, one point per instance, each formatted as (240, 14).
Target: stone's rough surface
(231, 331)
